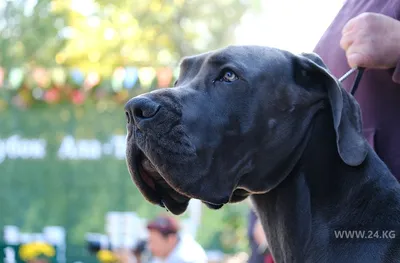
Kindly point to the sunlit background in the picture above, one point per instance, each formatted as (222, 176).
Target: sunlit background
(66, 69)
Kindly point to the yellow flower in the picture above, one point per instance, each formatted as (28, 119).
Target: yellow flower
(106, 256)
(34, 250)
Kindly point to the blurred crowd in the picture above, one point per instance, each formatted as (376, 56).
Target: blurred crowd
(165, 243)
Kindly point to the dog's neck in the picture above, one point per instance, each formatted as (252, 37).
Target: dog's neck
(301, 214)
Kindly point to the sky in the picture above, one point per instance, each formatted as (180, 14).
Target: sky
(293, 25)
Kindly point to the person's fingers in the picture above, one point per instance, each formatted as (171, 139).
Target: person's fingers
(355, 60)
(354, 56)
(346, 41)
(349, 26)
(357, 56)
(349, 33)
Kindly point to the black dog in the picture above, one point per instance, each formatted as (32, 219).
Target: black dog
(263, 122)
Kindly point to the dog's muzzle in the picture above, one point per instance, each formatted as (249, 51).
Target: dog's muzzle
(140, 113)
(152, 170)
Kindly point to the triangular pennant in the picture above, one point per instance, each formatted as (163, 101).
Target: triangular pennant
(58, 76)
(164, 77)
(15, 77)
(92, 79)
(77, 76)
(118, 78)
(41, 77)
(78, 97)
(52, 95)
(2, 73)
(146, 76)
(131, 77)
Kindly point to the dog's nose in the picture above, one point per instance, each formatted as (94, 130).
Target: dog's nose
(141, 108)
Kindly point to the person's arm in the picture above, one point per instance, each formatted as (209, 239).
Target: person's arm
(372, 41)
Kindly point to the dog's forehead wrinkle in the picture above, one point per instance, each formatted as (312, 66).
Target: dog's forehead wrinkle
(270, 62)
(219, 58)
(239, 55)
(190, 65)
(190, 60)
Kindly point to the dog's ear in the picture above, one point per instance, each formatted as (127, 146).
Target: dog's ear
(351, 145)
(315, 58)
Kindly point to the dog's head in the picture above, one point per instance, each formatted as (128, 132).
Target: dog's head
(230, 124)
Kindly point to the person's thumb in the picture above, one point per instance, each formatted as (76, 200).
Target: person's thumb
(355, 59)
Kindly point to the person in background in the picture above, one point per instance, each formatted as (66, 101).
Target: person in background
(140, 252)
(366, 33)
(167, 245)
(257, 240)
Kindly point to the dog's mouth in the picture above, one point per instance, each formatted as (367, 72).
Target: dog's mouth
(155, 188)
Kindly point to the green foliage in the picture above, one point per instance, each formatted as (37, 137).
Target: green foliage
(102, 35)
(148, 32)
(28, 33)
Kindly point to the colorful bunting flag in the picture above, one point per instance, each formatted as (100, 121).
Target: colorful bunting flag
(52, 95)
(118, 78)
(77, 76)
(56, 84)
(78, 97)
(41, 77)
(15, 78)
(2, 77)
(58, 76)
(146, 76)
(92, 79)
(131, 77)
(164, 77)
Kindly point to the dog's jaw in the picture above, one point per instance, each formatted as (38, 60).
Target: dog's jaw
(150, 182)
(171, 173)
(155, 188)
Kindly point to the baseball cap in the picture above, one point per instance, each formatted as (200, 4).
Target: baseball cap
(164, 224)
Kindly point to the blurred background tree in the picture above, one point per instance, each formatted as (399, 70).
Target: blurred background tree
(29, 33)
(102, 35)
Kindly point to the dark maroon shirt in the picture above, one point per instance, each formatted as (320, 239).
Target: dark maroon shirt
(379, 91)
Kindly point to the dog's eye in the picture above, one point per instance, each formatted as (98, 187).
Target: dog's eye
(228, 76)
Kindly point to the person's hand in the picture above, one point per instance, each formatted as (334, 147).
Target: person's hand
(372, 40)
